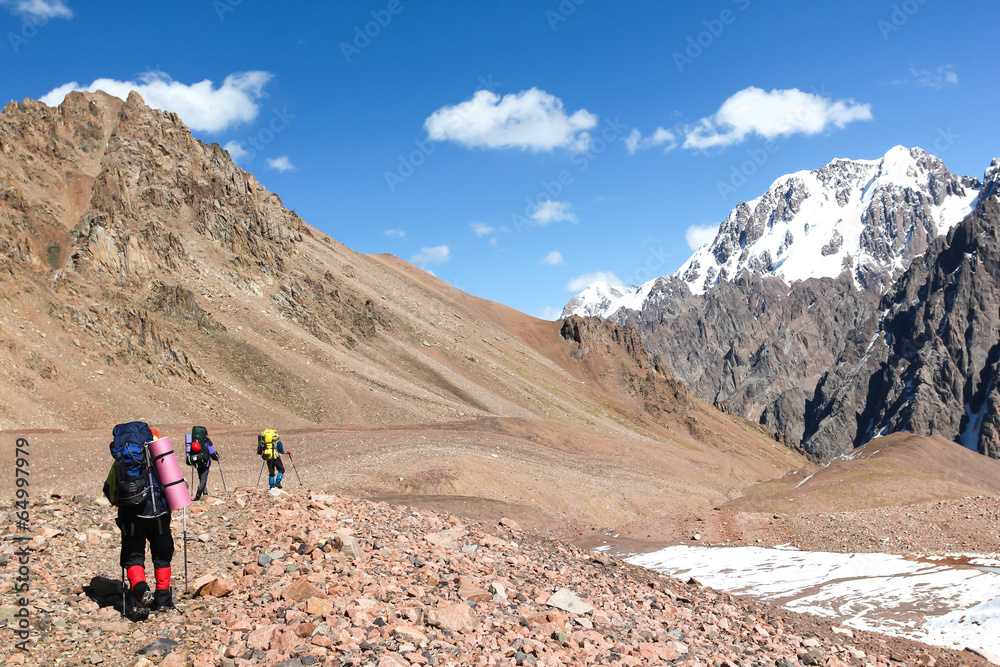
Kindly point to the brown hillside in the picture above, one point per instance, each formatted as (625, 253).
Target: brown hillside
(145, 276)
(898, 469)
(902, 493)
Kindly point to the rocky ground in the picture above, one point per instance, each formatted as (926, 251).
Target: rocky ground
(313, 579)
(902, 494)
(967, 525)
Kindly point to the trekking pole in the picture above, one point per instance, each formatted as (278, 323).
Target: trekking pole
(224, 489)
(185, 549)
(124, 588)
(257, 485)
(292, 461)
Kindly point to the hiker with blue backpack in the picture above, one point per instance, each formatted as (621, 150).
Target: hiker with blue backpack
(200, 454)
(143, 516)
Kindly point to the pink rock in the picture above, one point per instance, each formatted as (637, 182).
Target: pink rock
(174, 659)
(510, 523)
(260, 638)
(453, 617)
(284, 640)
(301, 591)
(393, 660)
(316, 606)
(468, 591)
(212, 586)
(204, 660)
(408, 633)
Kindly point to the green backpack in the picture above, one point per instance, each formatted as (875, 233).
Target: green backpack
(199, 434)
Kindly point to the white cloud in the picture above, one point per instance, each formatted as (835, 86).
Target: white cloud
(531, 119)
(395, 233)
(698, 235)
(481, 229)
(581, 283)
(39, 9)
(550, 313)
(282, 164)
(554, 258)
(201, 105)
(236, 151)
(436, 255)
(772, 114)
(553, 211)
(937, 78)
(660, 137)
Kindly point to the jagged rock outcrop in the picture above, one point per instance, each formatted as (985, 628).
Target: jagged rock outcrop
(931, 362)
(129, 221)
(756, 318)
(753, 343)
(619, 349)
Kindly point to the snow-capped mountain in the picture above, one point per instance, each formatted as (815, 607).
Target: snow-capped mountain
(868, 218)
(601, 299)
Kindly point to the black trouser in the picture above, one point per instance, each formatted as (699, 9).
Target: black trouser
(276, 464)
(137, 531)
(202, 482)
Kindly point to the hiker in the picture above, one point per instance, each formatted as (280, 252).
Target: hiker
(200, 453)
(270, 449)
(143, 516)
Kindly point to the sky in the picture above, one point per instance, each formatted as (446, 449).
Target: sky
(521, 149)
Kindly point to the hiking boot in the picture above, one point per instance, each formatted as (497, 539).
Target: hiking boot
(137, 602)
(163, 600)
(277, 485)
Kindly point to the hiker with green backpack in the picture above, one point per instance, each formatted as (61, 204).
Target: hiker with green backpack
(143, 516)
(200, 454)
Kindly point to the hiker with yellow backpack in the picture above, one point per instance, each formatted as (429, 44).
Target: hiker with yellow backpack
(270, 449)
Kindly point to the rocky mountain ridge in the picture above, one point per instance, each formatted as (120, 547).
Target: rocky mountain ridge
(761, 344)
(864, 218)
(927, 362)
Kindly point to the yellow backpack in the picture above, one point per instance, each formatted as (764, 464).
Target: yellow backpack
(270, 451)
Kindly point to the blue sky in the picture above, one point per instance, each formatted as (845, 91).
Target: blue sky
(514, 148)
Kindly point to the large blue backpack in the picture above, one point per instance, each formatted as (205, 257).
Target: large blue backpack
(132, 470)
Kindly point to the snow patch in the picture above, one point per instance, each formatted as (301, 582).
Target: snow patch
(934, 603)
